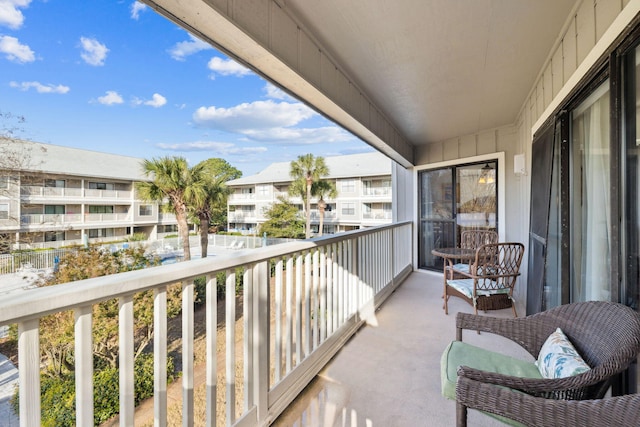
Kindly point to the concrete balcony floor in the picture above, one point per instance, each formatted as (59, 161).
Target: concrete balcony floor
(388, 374)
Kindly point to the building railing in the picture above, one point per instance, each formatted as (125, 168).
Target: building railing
(241, 215)
(166, 217)
(50, 219)
(64, 192)
(378, 215)
(241, 196)
(328, 215)
(107, 217)
(376, 191)
(60, 219)
(301, 302)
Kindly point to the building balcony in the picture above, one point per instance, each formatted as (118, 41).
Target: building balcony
(66, 220)
(241, 196)
(301, 302)
(378, 215)
(377, 191)
(241, 216)
(35, 193)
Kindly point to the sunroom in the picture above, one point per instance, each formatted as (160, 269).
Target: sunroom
(518, 117)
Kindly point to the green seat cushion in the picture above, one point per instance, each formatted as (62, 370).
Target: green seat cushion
(459, 353)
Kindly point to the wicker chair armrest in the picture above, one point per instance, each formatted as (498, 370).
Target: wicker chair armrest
(574, 387)
(450, 271)
(541, 412)
(522, 331)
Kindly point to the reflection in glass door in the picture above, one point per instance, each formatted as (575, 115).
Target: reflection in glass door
(590, 198)
(454, 199)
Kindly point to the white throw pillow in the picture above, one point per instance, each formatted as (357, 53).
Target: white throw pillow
(558, 358)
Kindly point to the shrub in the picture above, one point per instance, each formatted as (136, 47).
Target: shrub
(58, 394)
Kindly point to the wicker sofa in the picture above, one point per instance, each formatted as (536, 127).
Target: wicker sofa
(605, 334)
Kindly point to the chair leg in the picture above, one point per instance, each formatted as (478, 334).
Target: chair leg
(446, 305)
(461, 415)
(513, 307)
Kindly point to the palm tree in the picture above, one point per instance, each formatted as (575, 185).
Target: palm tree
(172, 180)
(209, 192)
(305, 171)
(321, 189)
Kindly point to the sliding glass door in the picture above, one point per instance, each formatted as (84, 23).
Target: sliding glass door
(590, 190)
(453, 199)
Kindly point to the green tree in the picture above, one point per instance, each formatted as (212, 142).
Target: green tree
(283, 220)
(57, 329)
(306, 170)
(210, 194)
(175, 181)
(322, 189)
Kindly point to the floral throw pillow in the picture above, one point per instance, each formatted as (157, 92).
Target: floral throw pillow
(558, 358)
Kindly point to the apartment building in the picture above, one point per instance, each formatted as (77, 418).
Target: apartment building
(52, 196)
(363, 182)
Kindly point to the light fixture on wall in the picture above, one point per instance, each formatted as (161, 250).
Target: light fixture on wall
(519, 167)
(486, 175)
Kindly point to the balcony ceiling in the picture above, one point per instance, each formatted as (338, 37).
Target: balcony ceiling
(435, 69)
(439, 68)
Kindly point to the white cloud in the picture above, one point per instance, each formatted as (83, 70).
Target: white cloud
(183, 49)
(156, 101)
(217, 148)
(93, 52)
(270, 122)
(112, 97)
(300, 136)
(136, 8)
(274, 92)
(254, 115)
(227, 67)
(39, 87)
(14, 51)
(10, 15)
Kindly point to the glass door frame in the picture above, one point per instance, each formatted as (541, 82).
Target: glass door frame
(499, 157)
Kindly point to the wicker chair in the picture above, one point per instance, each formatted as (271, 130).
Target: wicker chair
(540, 412)
(605, 334)
(473, 239)
(489, 283)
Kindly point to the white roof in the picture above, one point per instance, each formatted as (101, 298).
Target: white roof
(349, 166)
(54, 159)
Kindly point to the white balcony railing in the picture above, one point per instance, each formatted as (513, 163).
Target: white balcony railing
(380, 215)
(68, 219)
(62, 192)
(107, 217)
(376, 191)
(242, 196)
(50, 219)
(301, 302)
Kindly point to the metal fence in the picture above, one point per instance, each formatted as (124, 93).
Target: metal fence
(43, 260)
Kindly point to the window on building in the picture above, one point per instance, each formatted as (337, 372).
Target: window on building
(263, 190)
(101, 186)
(100, 232)
(348, 186)
(54, 209)
(4, 211)
(54, 236)
(100, 209)
(348, 209)
(4, 181)
(56, 183)
(146, 210)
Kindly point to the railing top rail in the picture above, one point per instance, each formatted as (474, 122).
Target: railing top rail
(35, 303)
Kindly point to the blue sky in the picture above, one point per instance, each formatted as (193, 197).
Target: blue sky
(114, 76)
